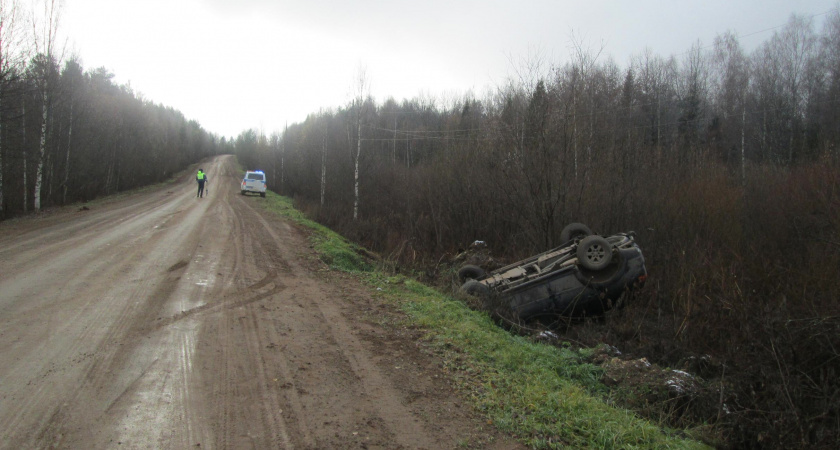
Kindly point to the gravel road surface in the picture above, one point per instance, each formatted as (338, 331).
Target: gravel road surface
(161, 320)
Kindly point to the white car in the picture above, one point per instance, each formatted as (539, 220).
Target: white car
(254, 181)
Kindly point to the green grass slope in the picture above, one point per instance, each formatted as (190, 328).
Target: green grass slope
(547, 397)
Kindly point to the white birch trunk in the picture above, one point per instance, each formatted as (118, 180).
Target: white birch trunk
(360, 104)
(42, 147)
(44, 44)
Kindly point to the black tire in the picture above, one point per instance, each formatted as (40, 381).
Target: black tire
(574, 230)
(470, 272)
(606, 278)
(594, 252)
(476, 289)
(243, 192)
(262, 194)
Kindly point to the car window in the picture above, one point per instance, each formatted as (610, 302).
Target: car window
(255, 176)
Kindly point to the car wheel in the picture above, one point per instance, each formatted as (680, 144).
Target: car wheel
(470, 272)
(574, 230)
(476, 288)
(243, 192)
(594, 252)
(606, 278)
(262, 194)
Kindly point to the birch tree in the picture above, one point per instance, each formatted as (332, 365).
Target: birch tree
(276, 152)
(583, 64)
(655, 84)
(786, 57)
(693, 81)
(799, 43)
(730, 85)
(73, 80)
(361, 90)
(44, 31)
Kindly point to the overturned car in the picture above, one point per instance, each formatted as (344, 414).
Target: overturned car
(586, 276)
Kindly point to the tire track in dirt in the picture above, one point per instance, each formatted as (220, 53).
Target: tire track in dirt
(240, 328)
(199, 322)
(354, 391)
(99, 272)
(129, 307)
(278, 367)
(271, 411)
(165, 411)
(223, 377)
(380, 403)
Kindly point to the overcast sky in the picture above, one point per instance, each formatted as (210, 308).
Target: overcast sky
(238, 64)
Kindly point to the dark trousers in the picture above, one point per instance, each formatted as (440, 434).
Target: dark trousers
(200, 189)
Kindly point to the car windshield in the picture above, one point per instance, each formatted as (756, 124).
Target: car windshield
(255, 176)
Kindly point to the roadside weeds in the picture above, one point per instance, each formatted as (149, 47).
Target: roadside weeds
(545, 396)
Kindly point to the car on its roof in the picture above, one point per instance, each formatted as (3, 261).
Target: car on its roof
(586, 276)
(253, 181)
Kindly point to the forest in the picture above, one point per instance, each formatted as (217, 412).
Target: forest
(725, 162)
(70, 134)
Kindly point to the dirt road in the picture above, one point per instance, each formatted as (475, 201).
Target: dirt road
(160, 320)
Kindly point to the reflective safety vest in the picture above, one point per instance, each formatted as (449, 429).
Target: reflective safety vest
(200, 176)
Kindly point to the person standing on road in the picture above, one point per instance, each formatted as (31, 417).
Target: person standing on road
(201, 178)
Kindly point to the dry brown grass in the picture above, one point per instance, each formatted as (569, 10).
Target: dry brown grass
(747, 275)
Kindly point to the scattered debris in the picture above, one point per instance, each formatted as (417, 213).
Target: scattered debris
(682, 383)
(547, 335)
(655, 391)
(612, 350)
(704, 366)
(477, 254)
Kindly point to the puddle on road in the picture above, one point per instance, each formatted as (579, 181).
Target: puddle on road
(204, 279)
